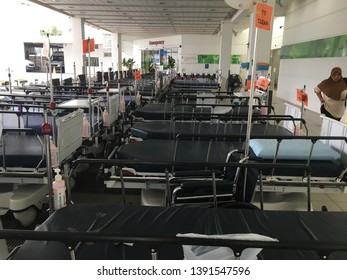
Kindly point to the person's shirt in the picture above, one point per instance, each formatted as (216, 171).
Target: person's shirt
(335, 107)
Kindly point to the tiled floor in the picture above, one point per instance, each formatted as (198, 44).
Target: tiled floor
(333, 201)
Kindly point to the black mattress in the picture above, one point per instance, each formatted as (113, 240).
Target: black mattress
(160, 111)
(119, 220)
(164, 150)
(167, 130)
(194, 84)
(22, 151)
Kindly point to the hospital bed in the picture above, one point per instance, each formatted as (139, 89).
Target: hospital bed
(328, 170)
(203, 96)
(159, 111)
(215, 101)
(198, 83)
(100, 120)
(24, 162)
(105, 232)
(91, 106)
(211, 124)
(40, 100)
(105, 99)
(151, 179)
(325, 160)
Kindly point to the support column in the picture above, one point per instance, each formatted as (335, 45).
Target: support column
(225, 52)
(78, 35)
(116, 42)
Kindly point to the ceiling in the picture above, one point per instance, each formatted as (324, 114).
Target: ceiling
(147, 18)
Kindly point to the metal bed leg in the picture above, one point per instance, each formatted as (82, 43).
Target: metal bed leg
(208, 152)
(72, 253)
(122, 184)
(237, 255)
(154, 254)
(168, 191)
(244, 185)
(174, 157)
(275, 157)
(214, 189)
(309, 192)
(261, 190)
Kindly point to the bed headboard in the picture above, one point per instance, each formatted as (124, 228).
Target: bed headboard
(1, 126)
(293, 111)
(113, 108)
(69, 131)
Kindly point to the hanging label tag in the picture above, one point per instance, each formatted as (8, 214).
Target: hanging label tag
(263, 16)
(88, 47)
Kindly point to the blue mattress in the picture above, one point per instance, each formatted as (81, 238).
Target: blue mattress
(293, 149)
(325, 161)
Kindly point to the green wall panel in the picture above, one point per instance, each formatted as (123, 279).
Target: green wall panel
(327, 47)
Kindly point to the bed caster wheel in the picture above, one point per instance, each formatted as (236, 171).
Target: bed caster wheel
(108, 148)
(83, 167)
(101, 176)
(27, 216)
(324, 208)
(72, 182)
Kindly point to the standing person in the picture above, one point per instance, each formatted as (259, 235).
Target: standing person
(332, 93)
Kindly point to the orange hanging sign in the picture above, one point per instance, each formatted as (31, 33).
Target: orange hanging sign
(137, 75)
(85, 46)
(302, 96)
(263, 16)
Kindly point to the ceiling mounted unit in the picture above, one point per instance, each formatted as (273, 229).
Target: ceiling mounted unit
(240, 4)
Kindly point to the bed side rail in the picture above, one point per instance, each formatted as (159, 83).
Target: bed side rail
(72, 240)
(231, 119)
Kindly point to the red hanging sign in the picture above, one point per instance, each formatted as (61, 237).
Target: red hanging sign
(263, 16)
(85, 46)
(137, 75)
(302, 96)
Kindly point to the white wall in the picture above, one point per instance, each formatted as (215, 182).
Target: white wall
(192, 45)
(210, 44)
(305, 21)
